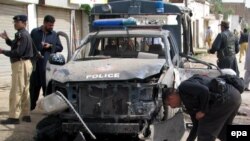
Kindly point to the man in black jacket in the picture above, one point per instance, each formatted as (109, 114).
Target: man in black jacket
(46, 42)
(211, 103)
(226, 45)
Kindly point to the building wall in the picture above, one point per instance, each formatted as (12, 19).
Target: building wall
(19, 1)
(234, 22)
(239, 9)
(27, 1)
(61, 4)
(247, 18)
(200, 11)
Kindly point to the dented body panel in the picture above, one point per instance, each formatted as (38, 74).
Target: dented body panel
(108, 69)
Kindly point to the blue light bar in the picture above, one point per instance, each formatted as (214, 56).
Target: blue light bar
(114, 22)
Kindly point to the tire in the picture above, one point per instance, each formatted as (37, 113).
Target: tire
(49, 129)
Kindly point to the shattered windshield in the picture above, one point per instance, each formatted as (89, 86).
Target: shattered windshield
(121, 47)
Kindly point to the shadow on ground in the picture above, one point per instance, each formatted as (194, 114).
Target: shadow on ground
(20, 132)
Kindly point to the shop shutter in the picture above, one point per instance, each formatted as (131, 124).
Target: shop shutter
(7, 13)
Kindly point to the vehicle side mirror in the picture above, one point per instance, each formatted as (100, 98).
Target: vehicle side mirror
(57, 59)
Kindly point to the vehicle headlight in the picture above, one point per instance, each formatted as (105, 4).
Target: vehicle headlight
(52, 104)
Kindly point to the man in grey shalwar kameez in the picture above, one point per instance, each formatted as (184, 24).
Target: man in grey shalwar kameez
(226, 45)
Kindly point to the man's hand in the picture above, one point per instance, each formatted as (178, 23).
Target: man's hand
(199, 115)
(46, 45)
(4, 35)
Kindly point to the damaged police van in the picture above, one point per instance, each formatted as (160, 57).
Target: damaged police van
(116, 79)
(115, 83)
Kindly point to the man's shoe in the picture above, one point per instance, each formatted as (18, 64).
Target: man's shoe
(32, 107)
(246, 89)
(242, 113)
(26, 119)
(10, 121)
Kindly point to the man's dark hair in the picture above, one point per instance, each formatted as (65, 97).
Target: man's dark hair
(168, 91)
(245, 30)
(49, 18)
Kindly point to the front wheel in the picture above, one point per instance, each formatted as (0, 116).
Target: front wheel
(49, 129)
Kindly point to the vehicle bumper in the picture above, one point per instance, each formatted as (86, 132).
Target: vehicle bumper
(104, 128)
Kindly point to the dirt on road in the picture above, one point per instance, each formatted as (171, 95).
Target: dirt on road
(21, 132)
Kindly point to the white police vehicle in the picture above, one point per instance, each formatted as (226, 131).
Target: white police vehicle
(115, 81)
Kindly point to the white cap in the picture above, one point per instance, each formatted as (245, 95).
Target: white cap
(228, 71)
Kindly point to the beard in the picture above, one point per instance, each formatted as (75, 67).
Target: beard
(49, 29)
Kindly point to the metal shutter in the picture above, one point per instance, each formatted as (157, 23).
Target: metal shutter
(7, 12)
(62, 23)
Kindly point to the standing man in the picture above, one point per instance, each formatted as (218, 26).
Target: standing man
(46, 41)
(226, 45)
(243, 43)
(211, 103)
(247, 67)
(208, 36)
(20, 54)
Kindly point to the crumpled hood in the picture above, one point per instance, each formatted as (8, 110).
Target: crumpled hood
(108, 69)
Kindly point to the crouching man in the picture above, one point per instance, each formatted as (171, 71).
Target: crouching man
(212, 104)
